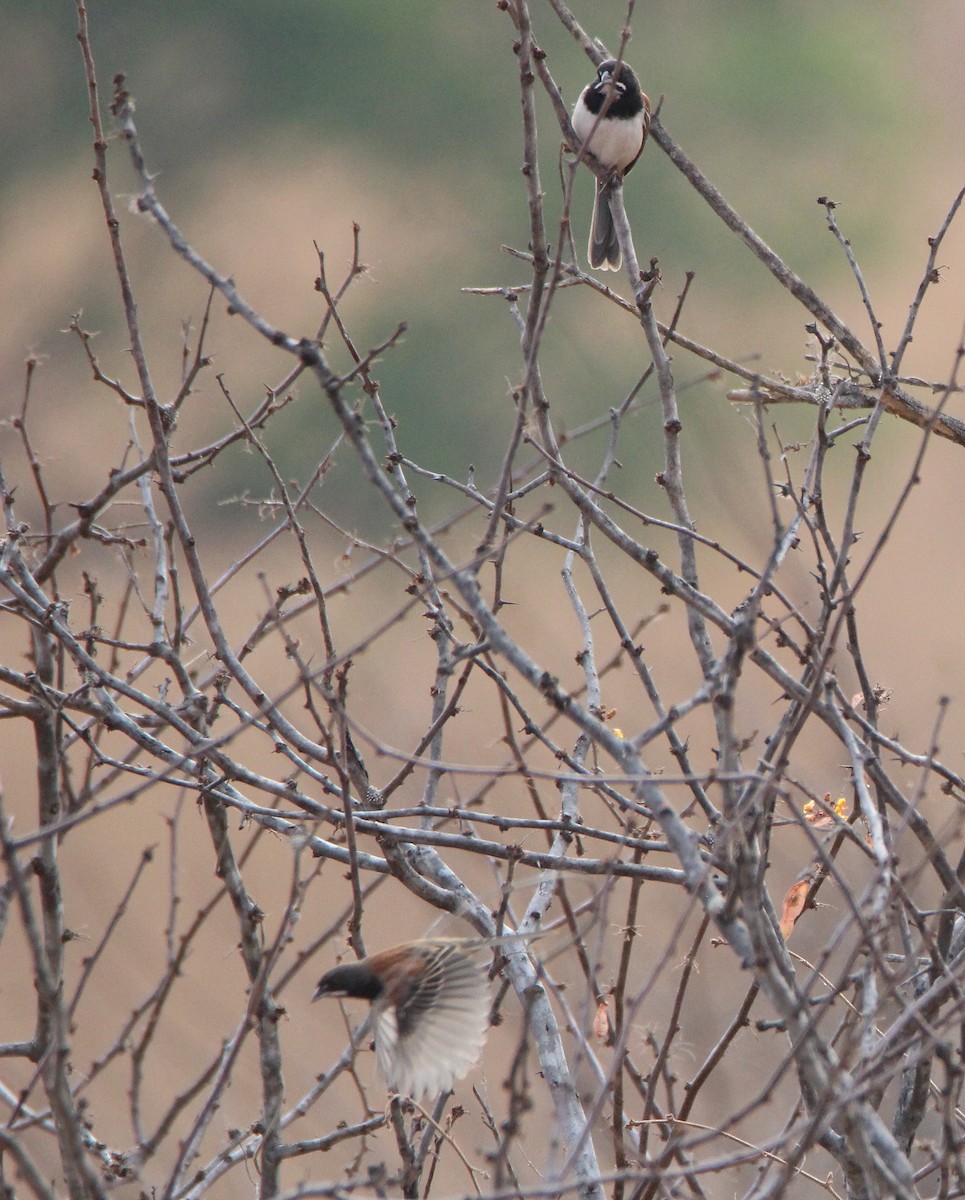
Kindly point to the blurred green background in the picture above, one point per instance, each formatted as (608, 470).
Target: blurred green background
(271, 126)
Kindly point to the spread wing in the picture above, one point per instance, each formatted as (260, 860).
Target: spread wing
(431, 1029)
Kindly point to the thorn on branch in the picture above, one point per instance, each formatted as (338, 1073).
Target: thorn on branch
(122, 103)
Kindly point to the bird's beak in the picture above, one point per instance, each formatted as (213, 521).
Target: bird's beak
(609, 85)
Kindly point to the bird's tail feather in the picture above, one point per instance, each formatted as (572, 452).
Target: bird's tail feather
(603, 249)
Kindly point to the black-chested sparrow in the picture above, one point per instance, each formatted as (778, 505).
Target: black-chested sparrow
(612, 116)
(430, 1000)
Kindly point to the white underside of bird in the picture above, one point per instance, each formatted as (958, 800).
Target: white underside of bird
(614, 142)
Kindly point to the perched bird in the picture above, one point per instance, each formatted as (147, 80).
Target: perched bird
(615, 139)
(430, 1001)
